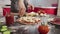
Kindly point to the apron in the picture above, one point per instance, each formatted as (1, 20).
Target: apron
(15, 7)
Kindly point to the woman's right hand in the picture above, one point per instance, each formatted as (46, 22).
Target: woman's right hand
(22, 8)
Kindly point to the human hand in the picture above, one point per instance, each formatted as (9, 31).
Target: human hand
(22, 11)
(30, 7)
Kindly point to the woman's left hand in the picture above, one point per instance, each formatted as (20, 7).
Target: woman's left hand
(31, 7)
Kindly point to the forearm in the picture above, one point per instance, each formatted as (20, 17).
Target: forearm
(21, 4)
(22, 8)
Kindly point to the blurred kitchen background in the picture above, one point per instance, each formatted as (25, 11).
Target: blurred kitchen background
(39, 4)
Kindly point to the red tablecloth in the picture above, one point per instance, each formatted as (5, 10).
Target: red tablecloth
(47, 10)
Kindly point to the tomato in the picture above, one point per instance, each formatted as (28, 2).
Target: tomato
(41, 11)
(43, 29)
